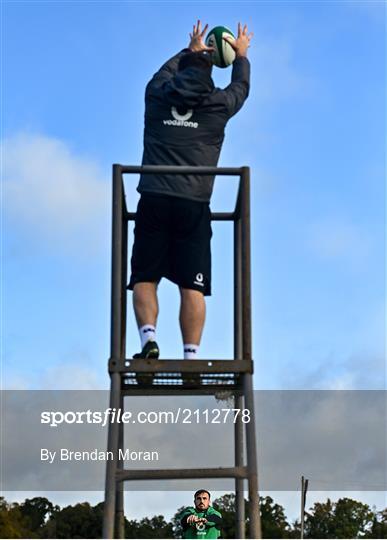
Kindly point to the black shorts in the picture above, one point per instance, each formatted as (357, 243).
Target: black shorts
(172, 239)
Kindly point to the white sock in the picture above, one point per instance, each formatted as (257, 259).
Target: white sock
(190, 351)
(147, 333)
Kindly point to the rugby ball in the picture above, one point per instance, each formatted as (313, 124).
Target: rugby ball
(223, 54)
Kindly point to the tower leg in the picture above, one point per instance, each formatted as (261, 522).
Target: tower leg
(120, 515)
(111, 466)
(254, 514)
(239, 461)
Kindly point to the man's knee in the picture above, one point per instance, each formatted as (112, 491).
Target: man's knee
(144, 293)
(145, 286)
(191, 293)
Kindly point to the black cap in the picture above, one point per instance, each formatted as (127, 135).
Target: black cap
(198, 60)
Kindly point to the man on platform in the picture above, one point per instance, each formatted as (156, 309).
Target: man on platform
(185, 118)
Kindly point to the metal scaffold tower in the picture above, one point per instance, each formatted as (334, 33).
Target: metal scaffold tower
(129, 377)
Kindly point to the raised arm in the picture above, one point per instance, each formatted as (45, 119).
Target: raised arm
(196, 44)
(238, 90)
(242, 42)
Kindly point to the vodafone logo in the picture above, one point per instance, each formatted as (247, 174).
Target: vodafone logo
(199, 279)
(181, 120)
(182, 117)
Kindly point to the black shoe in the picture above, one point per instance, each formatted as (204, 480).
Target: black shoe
(150, 350)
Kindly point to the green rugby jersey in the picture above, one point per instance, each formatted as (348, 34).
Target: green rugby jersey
(211, 529)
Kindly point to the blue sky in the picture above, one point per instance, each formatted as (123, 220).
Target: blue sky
(312, 131)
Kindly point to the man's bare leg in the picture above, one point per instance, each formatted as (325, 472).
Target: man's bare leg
(145, 304)
(192, 316)
(146, 309)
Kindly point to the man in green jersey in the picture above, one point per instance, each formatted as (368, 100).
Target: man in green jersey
(201, 521)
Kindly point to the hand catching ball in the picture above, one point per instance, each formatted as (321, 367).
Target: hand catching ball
(223, 54)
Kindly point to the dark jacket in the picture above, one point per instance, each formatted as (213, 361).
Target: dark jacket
(185, 117)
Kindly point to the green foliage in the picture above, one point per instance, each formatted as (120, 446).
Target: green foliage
(344, 519)
(79, 521)
(378, 528)
(176, 525)
(226, 506)
(12, 522)
(39, 518)
(36, 510)
(273, 520)
(155, 527)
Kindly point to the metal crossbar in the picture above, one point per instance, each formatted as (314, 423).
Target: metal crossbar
(177, 474)
(182, 366)
(230, 378)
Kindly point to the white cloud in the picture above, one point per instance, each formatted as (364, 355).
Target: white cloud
(363, 369)
(61, 376)
(52, 196)
(69, 376)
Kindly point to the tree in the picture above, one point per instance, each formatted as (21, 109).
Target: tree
(344, 519)
(12, 522)
(226, 506)
(378, 528)
(36, 510)
(39, 518)
(273, 519)
(176, 525)
(79, 521)
(85, 521)
(155, 527)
